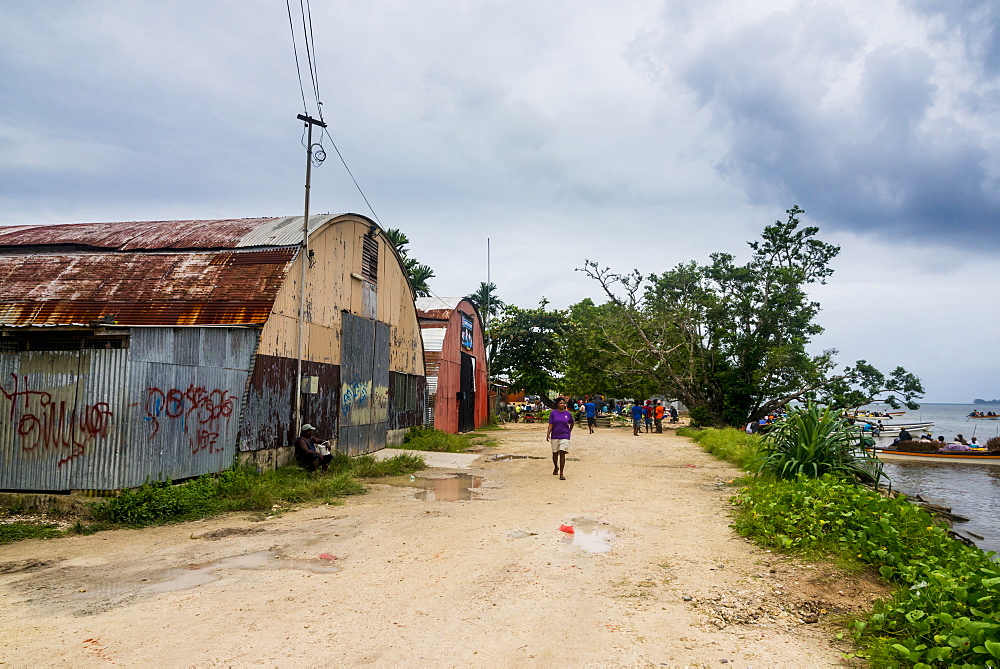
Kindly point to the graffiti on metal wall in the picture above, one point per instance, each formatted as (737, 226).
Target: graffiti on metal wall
(355, 401)
(380, 404)
(46, 424)
(206, 412)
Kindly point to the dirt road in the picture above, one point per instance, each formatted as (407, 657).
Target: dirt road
(656, 577)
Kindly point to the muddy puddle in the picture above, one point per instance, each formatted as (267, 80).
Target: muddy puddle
(444, 488)
(590, 535)
(506, 457)
(192, 576)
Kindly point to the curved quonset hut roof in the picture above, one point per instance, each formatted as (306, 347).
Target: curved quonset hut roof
(206, 272)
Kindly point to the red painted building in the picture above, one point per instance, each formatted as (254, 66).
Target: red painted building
(455, 363)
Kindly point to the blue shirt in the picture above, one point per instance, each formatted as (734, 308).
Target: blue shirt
(636, 412)
(591, 409)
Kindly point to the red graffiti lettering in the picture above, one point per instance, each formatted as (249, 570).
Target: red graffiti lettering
(44, 424)
(206, 411)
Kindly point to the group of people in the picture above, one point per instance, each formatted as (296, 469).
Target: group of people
(959, 444)
(979, 414)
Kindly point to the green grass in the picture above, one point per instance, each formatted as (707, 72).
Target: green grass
(430, 439)
(246, 489)
(945, 611)
(730, 444)
(11, 532)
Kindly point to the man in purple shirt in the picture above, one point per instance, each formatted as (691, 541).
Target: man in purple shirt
(558, 433)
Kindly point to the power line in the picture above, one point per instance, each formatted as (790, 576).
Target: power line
(309, 44)
(356, 185)
(295, 50)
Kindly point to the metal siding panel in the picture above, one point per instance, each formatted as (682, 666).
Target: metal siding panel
(107, 414)
(267, 417)
(356, 371)
(190, 411)
(380, 388)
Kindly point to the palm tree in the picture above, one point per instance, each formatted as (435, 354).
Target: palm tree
(417, 273)
(485, 299)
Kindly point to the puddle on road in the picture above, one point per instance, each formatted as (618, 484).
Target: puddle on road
(506, 457)
(590, 536)
(195, 575)
(447, 488)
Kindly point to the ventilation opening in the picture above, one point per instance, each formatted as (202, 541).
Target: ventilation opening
(369, 259)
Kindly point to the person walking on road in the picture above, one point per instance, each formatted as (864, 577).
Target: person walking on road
(636, 419)
(558, 434)
(591, 409)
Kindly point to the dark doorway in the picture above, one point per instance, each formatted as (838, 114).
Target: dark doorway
(467, 395)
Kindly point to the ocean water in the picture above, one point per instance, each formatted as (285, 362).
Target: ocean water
(971, 490)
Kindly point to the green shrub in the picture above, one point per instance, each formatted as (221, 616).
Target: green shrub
(813, 441)
(945, 613)
(246, 489)
(430, 439)
(730, 444)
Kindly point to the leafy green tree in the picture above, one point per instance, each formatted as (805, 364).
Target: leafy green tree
(601, 358)
(530, 348)
(417, 273)
(730, 340)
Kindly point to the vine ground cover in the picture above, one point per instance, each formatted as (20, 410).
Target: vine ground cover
(946, 610)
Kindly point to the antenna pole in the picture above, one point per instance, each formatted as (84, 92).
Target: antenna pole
(304, 263)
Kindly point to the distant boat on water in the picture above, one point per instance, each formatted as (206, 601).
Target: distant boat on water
(961, 457)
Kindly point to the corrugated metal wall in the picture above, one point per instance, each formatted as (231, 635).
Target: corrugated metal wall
(268, 420)
(364, 382)
(167, 407)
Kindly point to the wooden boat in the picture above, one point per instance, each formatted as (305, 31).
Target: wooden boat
(869, 415)
(984, 417)
(892, 429)
(961, 457)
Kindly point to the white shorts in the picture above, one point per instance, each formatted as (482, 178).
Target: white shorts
(559, 445)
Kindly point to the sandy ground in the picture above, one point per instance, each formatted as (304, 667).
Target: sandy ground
(653, 576)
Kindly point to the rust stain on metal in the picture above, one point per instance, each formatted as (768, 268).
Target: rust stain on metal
(134, 236)
(142, 289)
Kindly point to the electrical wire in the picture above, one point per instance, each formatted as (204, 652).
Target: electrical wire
(309, 43)
(295, 50)
(356, 184)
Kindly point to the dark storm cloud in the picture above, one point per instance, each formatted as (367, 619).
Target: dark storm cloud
(975, 22)
(860, 135)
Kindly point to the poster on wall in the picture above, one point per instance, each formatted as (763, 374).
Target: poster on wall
(466, 333)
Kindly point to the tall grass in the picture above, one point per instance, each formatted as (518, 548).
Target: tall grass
(729, 444)
(246, 489)
(430, 439)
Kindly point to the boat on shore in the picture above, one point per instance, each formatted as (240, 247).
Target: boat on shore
(893, 429)
(960, 457)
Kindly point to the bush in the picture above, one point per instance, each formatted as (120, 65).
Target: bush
(945, 613)
(430, 439)
(730, 444)
(246, 489)
(814, 441)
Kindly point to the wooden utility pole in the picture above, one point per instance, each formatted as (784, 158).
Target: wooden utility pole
(304, 263)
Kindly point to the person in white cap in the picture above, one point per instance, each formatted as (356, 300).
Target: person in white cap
(312, 452)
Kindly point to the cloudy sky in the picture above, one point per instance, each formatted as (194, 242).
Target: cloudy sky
(638, 134)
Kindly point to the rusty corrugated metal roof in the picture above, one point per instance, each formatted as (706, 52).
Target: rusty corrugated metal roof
(227, 288)
(165, 235)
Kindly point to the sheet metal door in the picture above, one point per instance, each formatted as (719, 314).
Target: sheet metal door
(467, 395)
(364, 379)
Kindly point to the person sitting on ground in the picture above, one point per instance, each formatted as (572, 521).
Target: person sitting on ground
(312, 452)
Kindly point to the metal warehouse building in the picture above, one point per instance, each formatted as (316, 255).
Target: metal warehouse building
(455, 358)
(165, 349)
